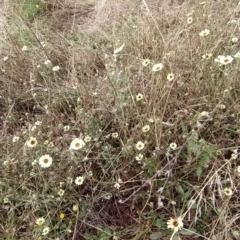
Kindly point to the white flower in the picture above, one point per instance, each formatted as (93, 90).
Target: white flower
(56, 68)
(79, 180)
(204, 32)
(119, 49)
(207, 56)
(234, 40)
(224, 60)
(15, 139)
(145, 128)
(228, 192)
(117, 185)
(66, 128)
(38, 123)
(145, 62)
(77, 144)
(47, 62)
(173, 146)
(189, 20)
(43, 44)
(139, 97)
(87, 138)
(157, 67)
(61, 192)
(139, 157)
(32, 142)
(40, 221)
(24, 48)
(139, 145)
(238, 169)
(115, 135)
(45, 161)
(45, 231)
(170, 77)
(5, 58)
(175, 224)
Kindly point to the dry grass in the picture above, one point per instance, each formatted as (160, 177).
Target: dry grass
(189, 166)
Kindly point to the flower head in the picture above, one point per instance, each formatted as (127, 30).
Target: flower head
(24, 48)
(145, 62)
(170, 77)
(139, 97)
(173, 146)
(145, 128)
(207, 56)
(157, 67)
(139, 145)
(228, 192)
(61, 192)
(75, 207)
(237, 55)
(79, 180)
(175, 224)
(40, 221)
(45, 231)
(32, 142)
(56, 68)
(15, 139)
(115, 135)
(224, 60)
(204, 33)
(45, 161)
(189, 20)
(62, 215)
(234, 40)
(139, 157)
(117, 185)
(77, 144)
(87, 138)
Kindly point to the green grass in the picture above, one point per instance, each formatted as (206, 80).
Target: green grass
(150, 148)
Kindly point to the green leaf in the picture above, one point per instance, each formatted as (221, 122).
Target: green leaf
(179, 188)
(159, 223)
(156, 235)
(199, 172)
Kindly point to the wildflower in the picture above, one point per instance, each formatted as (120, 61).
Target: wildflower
(173, 146)
(204, 114)
(38, 123)
(33, 128)
(45, 231)
(189, 20)
(224, 60)
(139, 145)
(237, 55)
(90, 173)
(238, 169)
(234, 40)
(66, 128)
(157, 67)
(69, 180)
(151, 120)
(139, 157)
(24, 48)
(221, 106)
(139, 97)
(62, 216)
(32, 142)
(228, 192)
(77, 144)
(61, 192)
(145, 62)
(115, 135)
(45, 161)
(75, 207)
(87, 139)
(204, 32)
(175, 224)
(5, 58)
(15, 139)
(79, 180)
(56, 68)
(117, 50)
(207, 56)
(6, 200)
(43, 44)
(117, 185)
(170, 77)
(47, 62)
(146, 128)
(234, 156)
(40, 221)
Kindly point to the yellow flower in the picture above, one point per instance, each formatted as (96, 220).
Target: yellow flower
(75, 208)
(175, 224)
(62, 215)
